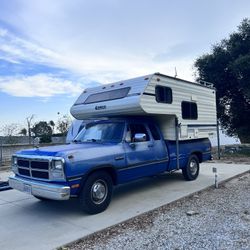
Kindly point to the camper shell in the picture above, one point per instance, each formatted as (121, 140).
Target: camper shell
(179, 106)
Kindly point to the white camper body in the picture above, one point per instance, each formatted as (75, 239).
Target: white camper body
(163, 97)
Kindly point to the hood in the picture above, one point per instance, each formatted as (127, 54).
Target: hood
(59, 150)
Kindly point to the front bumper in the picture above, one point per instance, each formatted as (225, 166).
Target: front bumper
(41, 189)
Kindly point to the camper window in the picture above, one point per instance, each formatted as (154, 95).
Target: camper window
(189, 110)
(107, 95)
(163, 94)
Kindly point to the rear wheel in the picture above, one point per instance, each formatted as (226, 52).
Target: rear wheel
(191, 171)
(96, 193)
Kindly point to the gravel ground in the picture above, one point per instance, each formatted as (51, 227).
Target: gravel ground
(220, 219)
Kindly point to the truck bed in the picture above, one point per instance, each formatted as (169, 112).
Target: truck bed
(186, 148)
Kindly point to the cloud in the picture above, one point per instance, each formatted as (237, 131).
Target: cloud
(40, 85)
(88, 68)
(3, 32)
(111, 40)
(101, 46)
(179, 51)
(79, 47)
(18, 50)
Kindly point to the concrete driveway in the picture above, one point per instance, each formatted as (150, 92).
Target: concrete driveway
(27, 223)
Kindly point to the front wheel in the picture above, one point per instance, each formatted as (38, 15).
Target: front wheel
(191, 171)
(96, 193)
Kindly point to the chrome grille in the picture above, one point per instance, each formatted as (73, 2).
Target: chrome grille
(34, 168)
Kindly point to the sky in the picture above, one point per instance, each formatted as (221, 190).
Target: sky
(51, 50)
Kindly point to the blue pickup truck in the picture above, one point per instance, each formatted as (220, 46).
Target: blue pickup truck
(105, 153)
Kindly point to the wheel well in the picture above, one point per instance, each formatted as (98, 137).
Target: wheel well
(199, 155)
(110, 170)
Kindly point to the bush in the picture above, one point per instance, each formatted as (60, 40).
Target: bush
(45, 139)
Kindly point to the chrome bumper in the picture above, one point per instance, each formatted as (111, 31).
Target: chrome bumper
(37, 188)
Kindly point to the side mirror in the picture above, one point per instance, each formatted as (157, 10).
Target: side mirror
(140, 137)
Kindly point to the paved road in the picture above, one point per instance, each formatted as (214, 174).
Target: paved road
(26, 223)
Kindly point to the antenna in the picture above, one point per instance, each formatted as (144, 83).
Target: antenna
(175, 70)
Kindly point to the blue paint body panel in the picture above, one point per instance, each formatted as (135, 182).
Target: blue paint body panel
(200, 147)
(126, 162)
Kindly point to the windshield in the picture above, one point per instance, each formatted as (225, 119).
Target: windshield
(101, 132)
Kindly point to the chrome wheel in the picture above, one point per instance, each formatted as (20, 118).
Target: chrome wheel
(191, 171)
(96, 192)
(99, 191)
(193, 167)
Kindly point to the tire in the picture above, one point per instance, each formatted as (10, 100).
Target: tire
(96, 193)
(41, 198)
(191, 171)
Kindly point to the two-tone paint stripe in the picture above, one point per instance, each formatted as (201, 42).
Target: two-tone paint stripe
(137, 165)
(147, 163)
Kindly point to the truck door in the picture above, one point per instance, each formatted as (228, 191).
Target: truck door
(159, 144)
(141, 156)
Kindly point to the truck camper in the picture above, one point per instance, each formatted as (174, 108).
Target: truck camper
(163, 97)
(126, 130)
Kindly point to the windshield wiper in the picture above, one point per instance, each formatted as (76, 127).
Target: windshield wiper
(76, 140)
(92, 140)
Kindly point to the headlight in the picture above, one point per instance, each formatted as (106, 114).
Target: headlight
(14, 164)
(57, 170)
(14, 160)
(58, 165)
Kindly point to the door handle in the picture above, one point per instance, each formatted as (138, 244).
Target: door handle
(118, 158)
(150, 145)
